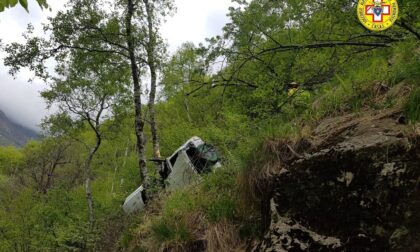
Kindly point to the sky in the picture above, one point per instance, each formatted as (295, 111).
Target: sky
(194, 21)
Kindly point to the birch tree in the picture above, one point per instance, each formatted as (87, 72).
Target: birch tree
(155, 12)
(86, 93)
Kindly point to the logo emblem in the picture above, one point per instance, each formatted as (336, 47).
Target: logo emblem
(377, 15)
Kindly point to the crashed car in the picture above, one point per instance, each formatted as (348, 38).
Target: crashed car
(185, 165)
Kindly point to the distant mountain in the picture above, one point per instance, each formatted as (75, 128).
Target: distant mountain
(14, 134)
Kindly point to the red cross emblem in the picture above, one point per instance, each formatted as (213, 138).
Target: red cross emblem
(377, 14)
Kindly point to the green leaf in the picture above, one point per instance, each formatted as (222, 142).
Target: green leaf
(4, 4)
(12, 3)
(42, 3)
(24, 4)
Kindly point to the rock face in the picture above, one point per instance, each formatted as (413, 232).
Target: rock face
(285, 234)
(14, 134)
(354, 186)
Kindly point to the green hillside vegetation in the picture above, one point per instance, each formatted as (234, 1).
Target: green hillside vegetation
(236, 105)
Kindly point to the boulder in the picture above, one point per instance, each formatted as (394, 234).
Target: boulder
(354, 188)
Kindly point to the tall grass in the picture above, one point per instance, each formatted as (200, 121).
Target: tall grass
(412, 107)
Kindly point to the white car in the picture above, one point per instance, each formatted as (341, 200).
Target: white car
(193, 158)
(134, 202)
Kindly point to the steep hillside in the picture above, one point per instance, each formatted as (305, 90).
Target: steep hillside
(12, 133)
(347, 180)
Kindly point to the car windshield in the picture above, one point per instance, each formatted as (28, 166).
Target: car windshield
(203, 157)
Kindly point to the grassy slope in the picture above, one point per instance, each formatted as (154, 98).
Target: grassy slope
(222, 210)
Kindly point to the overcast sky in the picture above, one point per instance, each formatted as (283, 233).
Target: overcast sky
(194, 21)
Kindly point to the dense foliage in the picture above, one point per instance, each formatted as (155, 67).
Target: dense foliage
(233, 91)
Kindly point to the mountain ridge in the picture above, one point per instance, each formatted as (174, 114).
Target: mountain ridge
(12, 133)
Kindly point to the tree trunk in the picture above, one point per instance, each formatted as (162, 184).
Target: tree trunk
(139, 122)
(151, 61)
(116, 165)
(187, 108)
(90, 201)
(88, 190)
(153, 123)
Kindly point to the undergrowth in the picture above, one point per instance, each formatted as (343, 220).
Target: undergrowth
(412, 106)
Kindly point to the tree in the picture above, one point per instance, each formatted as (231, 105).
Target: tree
(87, 92)
(185, 68)
(155, 12)
(135, 73)
(42, 160)
(307, 42)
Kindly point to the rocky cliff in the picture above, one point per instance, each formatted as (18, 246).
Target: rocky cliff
(353, 185)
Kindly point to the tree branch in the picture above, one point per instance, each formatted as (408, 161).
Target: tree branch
(322, 45)
(92, 50)
(408, 28)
